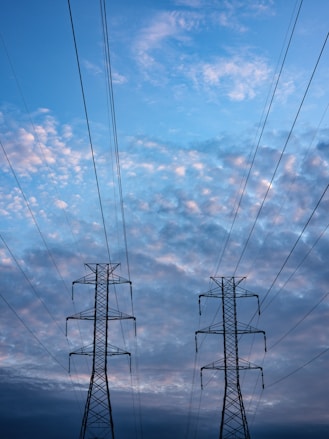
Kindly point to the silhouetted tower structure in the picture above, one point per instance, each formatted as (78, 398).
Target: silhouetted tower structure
(97, 422)
(234, 423)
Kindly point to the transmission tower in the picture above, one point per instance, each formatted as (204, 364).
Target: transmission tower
(234, 423)
(97, 422)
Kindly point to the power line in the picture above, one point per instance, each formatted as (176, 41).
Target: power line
(189, 416)
(33, 216)
(260, 137)
(112, 107)
(32, 333)
(299, 322)
(117, 162)
(29, 282)
(109, 83)
(258, 255)
(282, 153)
(89, 131)
(19, 266)
(295, 244)
(50, 175)
(312, 309)
(114, 124)
(298, 266)
(108, 70)
(35, 132)
(299, 368)
(291, 251)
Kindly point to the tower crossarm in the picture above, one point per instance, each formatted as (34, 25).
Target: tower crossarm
(92, 277)
(220, 365)
(90, 314)
(241, 329)
(217, 293)
(88, 350)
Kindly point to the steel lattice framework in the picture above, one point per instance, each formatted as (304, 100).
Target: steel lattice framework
(234, 423)
(97, 422)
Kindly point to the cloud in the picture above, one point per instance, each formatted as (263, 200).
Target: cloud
(61, 204)
(323, 146)
(190, 3)
(226, 19)
(166, 26)
(167, 50)
(35, 406)
(39, 147)
(92, 68)
(118, 78)
(234, 14)
(199, 72)
(177, 223)
(237, 78)
(161, 43)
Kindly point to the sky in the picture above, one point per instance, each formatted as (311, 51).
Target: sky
(221, 134)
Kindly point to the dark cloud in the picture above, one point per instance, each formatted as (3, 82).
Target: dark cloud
(38, 409)
(291, 432)
(323, 146)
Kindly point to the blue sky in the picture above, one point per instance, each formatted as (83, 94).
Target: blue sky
(222, 128)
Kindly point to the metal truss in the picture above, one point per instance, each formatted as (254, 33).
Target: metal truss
(234, 423)
(97, 422)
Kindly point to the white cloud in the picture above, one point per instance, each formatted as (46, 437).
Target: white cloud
(238, 78)
(67, 132)
(235, 13)
(165, 50)
(33, 201)
(38, 148)
(166, 25)
(190, 3)
(4, 258)
(92, 68)
(286, 88)
(192, 206)
(61, 204)
(226, 19)
(118, 79)
(261, 7)
(180, 170)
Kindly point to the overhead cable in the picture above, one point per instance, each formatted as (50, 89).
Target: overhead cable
(297, 267)
(30, 283)
(35, 133)
(33, 216)
(260, 137)
(253, 261)
(299, 322)
(282, 154)
(108, 69)
(324, 351)
(89, 132)
(295, 244)
(32, 333)
(114, 124)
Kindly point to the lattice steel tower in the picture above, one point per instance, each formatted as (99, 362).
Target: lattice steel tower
(97, 422)
(234, 423)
